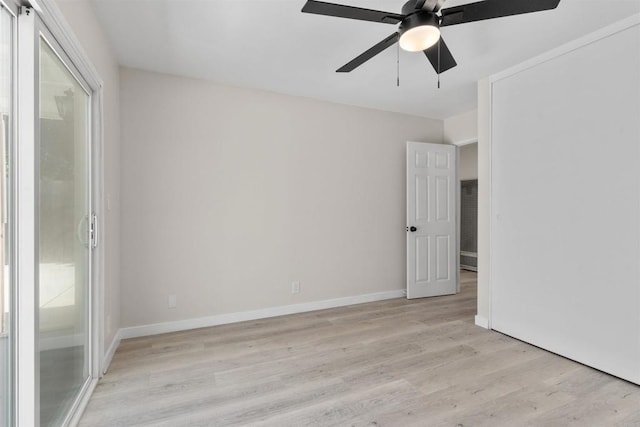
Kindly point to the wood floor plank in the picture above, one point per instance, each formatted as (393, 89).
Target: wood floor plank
(388, 363)
(360, 407)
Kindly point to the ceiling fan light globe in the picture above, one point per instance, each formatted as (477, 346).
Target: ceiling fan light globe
(419, 38)
(419, 31)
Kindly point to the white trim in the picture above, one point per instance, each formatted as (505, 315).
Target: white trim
(10, 219)
(98, 279)
(483, 322)
(465, 142)
(111, 351)
(469, 254)
(243, 316)
(458, 216)
(26, 389)
(490, 205)
(484, 199)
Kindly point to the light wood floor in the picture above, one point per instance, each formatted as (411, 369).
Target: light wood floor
(391, 363)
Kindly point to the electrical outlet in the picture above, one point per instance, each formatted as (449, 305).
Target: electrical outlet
(295, 287)
(172, 301)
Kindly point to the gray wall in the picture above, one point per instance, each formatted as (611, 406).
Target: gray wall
(468, 162)
(463, 128)
(231, 194)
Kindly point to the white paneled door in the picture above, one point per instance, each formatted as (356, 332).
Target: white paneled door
(432, 223)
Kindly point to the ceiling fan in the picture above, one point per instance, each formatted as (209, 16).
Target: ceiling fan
(420, 22)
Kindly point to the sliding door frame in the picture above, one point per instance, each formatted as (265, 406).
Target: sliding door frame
(8, 206)
(43, 19)
(42, 35)
(26, 387)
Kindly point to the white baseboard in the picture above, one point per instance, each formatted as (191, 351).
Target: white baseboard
(243, 316)
(108, 356)
(481, 321)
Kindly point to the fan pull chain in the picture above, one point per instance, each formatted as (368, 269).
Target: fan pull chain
(439, 62)
(398, 64)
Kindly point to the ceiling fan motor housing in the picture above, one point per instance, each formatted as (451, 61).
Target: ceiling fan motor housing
(418, 19)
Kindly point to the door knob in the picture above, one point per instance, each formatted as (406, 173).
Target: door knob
(412, 229)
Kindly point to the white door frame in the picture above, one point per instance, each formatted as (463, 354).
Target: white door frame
(26, 382)
(8, 203)
(25, 223)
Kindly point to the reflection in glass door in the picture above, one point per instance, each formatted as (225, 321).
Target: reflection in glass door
(6, 134)
(63, 239)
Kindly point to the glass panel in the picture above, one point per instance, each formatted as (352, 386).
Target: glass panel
(6, 79)
(63, 238)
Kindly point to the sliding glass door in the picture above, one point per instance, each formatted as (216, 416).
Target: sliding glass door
(49, 126)
(63, 235)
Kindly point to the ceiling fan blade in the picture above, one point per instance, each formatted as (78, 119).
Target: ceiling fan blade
(489, 9)
(447, 61)
(343, 11)
(368, 54)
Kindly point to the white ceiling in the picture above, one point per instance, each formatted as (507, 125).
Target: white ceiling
(271, 45)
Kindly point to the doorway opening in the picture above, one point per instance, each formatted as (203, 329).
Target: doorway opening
(469, 225)
(468, 178)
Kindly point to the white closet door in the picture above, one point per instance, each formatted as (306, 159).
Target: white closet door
(565, 230)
